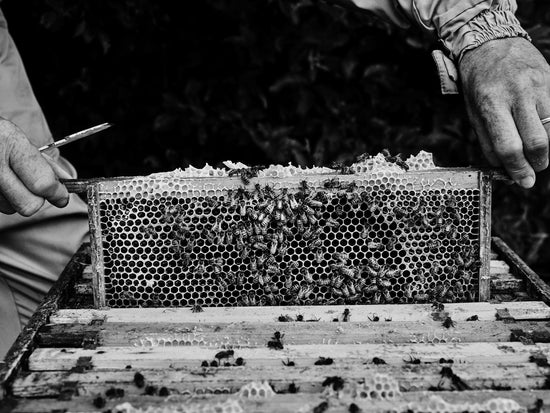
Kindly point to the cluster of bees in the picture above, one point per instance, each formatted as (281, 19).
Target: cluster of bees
(268, 220)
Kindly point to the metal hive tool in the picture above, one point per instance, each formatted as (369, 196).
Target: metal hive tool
(384, 236)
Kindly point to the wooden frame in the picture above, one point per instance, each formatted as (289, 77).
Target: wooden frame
(467, 178)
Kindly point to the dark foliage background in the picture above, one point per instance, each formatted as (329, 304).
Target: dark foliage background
(259, 81)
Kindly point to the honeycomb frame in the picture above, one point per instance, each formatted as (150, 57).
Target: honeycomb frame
(127, 273)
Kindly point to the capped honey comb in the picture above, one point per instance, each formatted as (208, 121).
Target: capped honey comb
(374, 236)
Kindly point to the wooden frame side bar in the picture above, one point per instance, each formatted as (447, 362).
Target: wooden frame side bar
(485, 194)
(98, 279)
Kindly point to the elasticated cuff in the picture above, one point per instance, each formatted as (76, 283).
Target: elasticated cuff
(488, 25)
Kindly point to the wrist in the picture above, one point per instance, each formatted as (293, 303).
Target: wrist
(488, 25)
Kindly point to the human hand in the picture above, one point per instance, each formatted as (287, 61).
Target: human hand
(27, 178)
(506, 85)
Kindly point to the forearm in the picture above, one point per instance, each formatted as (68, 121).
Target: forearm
(461, 25)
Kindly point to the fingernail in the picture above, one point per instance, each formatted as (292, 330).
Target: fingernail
(527, 182)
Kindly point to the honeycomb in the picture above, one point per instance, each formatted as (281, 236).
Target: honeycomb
(376, 387)
(256, 390)
(228, 406)
(437, 404)
(375, 236)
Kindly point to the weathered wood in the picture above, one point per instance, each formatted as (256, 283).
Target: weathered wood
(506, 283)
(485, 192)
(521, 269)
(411, 377)
(88, 273)
(102, 358)
(98, 281)
(498, 267)
(254, 334)
(290, 403)
(80, 186)
(25, 341)
(525, 310)
(83, 288)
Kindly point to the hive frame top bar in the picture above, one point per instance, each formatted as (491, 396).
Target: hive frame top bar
(433, 179)
(439, 178)
(82, 185)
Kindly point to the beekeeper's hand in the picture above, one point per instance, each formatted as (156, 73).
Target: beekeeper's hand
(506, 85)
(27, 177)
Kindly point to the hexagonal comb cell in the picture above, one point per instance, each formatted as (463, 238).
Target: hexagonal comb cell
(384, 237)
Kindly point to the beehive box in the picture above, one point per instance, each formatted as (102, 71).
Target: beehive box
(376, 234)
(493, 357)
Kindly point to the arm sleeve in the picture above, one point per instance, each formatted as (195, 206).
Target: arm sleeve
(461, 25)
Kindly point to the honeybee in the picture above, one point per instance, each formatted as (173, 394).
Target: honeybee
(313, 220)
(242, 208)
(273, 269)
(239, 279)
(354, 198)
(434, 246)
(222, 285)
(315, 244)
(270, 260)
(304, 189)
(400, 212)
(347, 272)
(360, 284)
(288, 282)
(332, 183)
(216, 268)
(391, 242)
(200, 268)
(318, 255)
(292, 203)
(464, 275)
(332, 223)
(260, 246)
(363, 157)
(337, 292)
(260, 261)
(283, 249)
(307, 276)
(392, 273)
(304, 292)
(450, 201)
(337, 281)
(372, 263)
(441, 290)
(253, 265)
(148, 231)
(249, 300)
(208, 235)
(459, 261)
(245, 252)
(365, 232)
(373, 245)
(345, 291)
(435, 269)
(340, 257)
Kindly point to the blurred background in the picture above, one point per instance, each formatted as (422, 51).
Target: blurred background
(259, 81)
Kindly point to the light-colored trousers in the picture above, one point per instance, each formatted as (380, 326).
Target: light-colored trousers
(33, 251)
